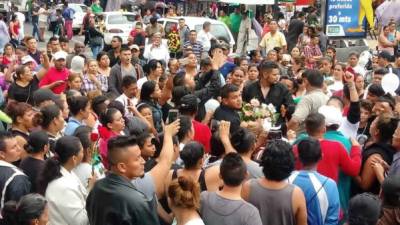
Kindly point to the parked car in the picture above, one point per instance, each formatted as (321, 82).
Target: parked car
(118, 24)
(80, 11)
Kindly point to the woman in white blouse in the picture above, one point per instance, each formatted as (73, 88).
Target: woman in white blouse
(63, 190)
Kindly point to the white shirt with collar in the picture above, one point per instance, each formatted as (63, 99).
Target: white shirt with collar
(160, 52)
(205, 39)
(125, 101)
(66, 198)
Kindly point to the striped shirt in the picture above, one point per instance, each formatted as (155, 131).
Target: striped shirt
(321, 194)
(89, 85)
(196, 47)
(311, 51)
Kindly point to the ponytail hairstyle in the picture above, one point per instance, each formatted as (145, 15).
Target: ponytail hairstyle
(184, 193)
(47, 115)
(37, 141)
(83, 133)
(243, 140)
(65, 148)
(28, 208)
(17, 109)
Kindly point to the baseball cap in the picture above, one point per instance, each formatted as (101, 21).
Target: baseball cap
(43, 95)
(189, 102)
(77, 64)
(27, 59)
(332, 115)
(364, 208)
(60, 55)
(37, 140)
(385, 55)
(134, 47)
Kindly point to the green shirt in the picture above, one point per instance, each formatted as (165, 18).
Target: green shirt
(225, 19)
(235, 18)
(96, 8)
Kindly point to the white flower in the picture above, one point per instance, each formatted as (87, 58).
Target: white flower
(254, 102)
(264, 106)
(271, 108)
(266, 124)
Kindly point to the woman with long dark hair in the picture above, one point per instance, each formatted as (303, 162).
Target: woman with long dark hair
(154, 70)
(381, 131)
(149, 94)
(89, 164)
(63, 190)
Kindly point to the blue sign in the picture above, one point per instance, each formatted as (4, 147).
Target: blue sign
(345, 18)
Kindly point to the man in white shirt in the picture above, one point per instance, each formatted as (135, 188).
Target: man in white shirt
(273, 39)
(156, 50)
(352, 61)
(204, 37)
(128, 97)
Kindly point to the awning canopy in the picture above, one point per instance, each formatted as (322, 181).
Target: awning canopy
(250, 2)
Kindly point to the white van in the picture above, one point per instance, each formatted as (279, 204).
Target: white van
(218, 28)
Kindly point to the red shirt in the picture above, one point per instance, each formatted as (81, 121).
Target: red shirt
(202, 134)
(54, 75)
(334, 156)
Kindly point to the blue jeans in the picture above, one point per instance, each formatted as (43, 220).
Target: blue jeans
(35, 30)
(95, 50)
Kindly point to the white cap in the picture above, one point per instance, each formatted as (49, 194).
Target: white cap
(60, 55)
(27, 59)
(134, 47)
(333, 116)
(77, 64)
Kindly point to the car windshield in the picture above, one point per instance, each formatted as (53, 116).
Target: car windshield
(79, 8)
(218, 30)
(121, 19)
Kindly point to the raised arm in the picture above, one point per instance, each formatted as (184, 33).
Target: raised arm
(161, 170)
(46, 65)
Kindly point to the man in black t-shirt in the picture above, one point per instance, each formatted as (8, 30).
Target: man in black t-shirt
(230, 105)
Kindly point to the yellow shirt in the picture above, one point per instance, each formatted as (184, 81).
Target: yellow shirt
(269, 42)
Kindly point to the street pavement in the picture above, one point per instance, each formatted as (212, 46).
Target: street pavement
(42, 45)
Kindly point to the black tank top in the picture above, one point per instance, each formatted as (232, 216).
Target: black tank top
(202, 179)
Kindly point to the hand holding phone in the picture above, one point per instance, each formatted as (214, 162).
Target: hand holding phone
(173, 115)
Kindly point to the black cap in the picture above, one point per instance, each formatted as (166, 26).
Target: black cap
(43, 95)
(385, 55)
(365, 208)
(36, 141)
(189, 102)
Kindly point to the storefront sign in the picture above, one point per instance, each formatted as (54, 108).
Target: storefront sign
(345, 18)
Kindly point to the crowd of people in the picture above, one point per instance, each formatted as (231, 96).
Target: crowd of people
(147, 134)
